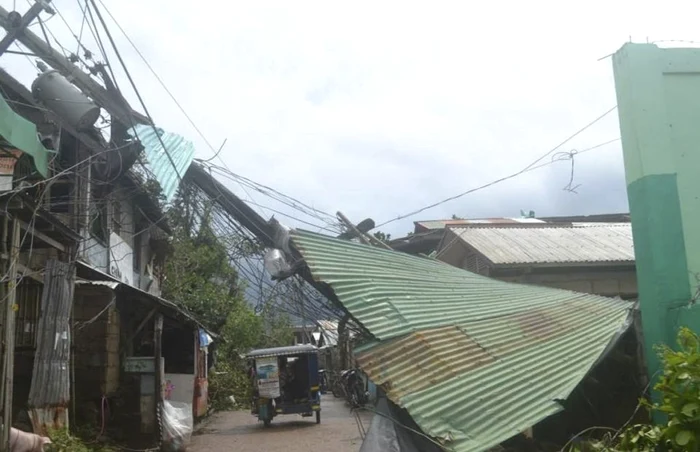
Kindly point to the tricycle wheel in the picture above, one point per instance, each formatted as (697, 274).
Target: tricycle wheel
(318, 417)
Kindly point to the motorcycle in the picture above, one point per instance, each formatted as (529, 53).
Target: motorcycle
(323, 381)
(354, 388)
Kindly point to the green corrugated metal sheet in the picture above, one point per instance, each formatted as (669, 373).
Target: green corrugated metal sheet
(22, 134)
(168, 164)
(474, 360)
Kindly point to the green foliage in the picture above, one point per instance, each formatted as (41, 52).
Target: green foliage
(379, 235)
(62, 441)
(229, 380)
(200, 276)
(679, 387)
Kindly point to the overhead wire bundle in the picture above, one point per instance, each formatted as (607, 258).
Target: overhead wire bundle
(245, 250)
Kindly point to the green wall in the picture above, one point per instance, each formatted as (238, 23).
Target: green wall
(658, 95)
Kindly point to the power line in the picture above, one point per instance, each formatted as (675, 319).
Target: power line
(155, 74)
(136, 90)
(191, 121)
(555, 159)
(167, 90)
(497, 181)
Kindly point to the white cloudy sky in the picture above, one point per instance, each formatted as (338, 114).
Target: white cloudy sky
(380, 108)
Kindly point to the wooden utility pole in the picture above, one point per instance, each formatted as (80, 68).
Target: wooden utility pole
(158, 377)
(9, 364)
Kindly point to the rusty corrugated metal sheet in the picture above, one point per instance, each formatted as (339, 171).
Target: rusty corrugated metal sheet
(474, 360)
(569, 243)
(179, 150)
(49, 394)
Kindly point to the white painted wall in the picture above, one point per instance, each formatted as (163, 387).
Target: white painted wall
(121, 257)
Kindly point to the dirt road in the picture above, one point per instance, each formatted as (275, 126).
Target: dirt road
(240, 431)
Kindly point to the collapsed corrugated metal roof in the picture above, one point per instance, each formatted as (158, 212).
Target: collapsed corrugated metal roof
(536, 244)
(177, 149)
(474, 360)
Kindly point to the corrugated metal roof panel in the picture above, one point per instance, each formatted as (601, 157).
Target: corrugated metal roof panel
(441, 224)
(181, 152)
(329, 329)
(576, 243)
(109, 284)
(474, 360)
(283, 351)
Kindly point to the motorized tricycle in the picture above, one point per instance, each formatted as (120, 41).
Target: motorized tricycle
(285, 381)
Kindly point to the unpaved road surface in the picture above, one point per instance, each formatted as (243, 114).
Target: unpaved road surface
(240, 431)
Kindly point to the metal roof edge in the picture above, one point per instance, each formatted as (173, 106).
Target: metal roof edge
(167, 304)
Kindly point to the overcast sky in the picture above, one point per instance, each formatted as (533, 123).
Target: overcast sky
(380, 108)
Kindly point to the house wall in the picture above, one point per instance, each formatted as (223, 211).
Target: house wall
(462, 256)
(130, 255)
(96, 344)
(96, 254)
(607, 283)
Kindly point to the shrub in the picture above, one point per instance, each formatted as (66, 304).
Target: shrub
(679, 387)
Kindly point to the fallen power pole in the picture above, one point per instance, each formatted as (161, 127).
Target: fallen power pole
(232, 204)
(263, 230)
(367, 239)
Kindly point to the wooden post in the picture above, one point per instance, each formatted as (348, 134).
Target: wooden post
(158, 377)
(9, 366)
(343, 342)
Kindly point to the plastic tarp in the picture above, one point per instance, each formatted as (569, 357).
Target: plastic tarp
(392, 430)
(178, 424)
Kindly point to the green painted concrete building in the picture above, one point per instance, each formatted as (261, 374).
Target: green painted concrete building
(658, 95)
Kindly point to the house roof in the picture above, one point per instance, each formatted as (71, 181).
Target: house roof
(473, 360)
(549, 243)
(423, 226)
(283, 351)
(329, 329)
(428, 225)
(168, 307)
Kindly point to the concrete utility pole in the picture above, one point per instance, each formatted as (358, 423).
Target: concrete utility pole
(658, 96)
(19, 23)
(42, 49)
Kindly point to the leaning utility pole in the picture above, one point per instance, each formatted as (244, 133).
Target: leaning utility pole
(17, 23)
(117, 108)
(659, 107)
